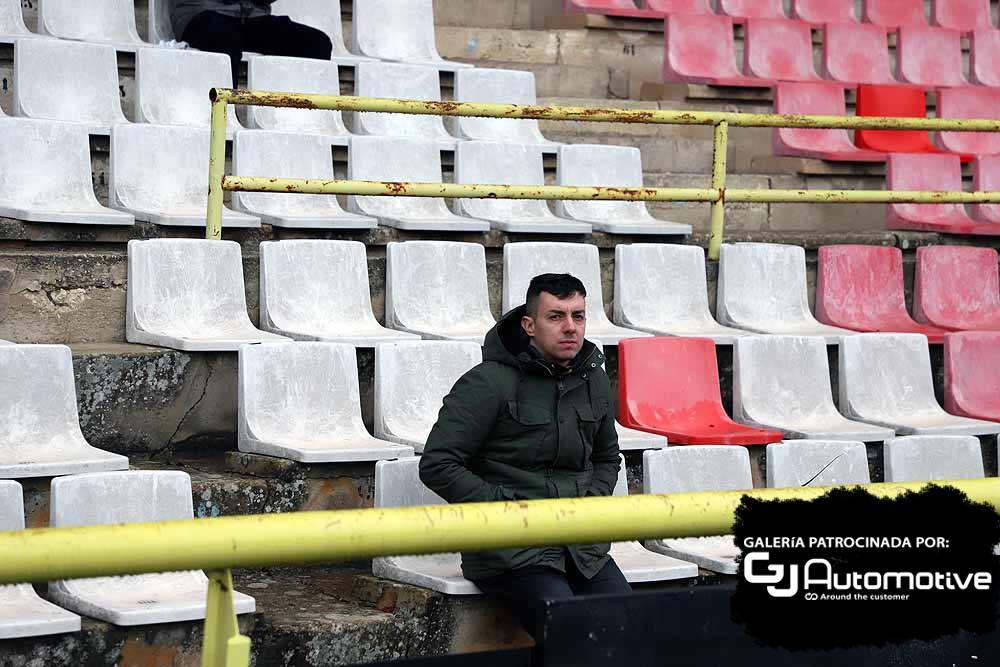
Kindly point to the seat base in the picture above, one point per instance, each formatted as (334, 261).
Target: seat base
(716, 553)
(24, 614)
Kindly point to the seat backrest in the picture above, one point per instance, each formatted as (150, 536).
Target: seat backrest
(758, 9)
(781, 379)
(955, 282)
(762, 281)
(919, 458)
(398, 81)
(679, 6)
(129, 496)
(160, 25)
(38, 396)
(969, 102)
(604, 166)
(824, 11)
(695, 469)
(896, 101)
(436, 283)
(792, 463)
(963, 15)
(394, 159)
(304, 75)
(300, 391)
(667, 381)
(498, 86)
(894, 13)
(985, 178)
(262, 153)
(818, 98)
(12, 18)
(413, 377)
(700, 45)
(322, 15)
(71, 81)
(778, 49)
(923, 171)
(11, 506)
(660, 282)
(397, 484)
(524, 261)
(400, 30)
(858, 284)
(886, 375)
(100, 21)
(175, 180)
(186, 284)
(971, 383)
(929, 57)
(314, 285)
(856, 53)
(499, 163)
(984, 54)
(172, 86)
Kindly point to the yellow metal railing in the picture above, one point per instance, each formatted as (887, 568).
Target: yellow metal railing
(308, 538)
(718, 194)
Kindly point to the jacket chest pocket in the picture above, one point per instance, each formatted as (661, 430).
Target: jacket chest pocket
(520, 432)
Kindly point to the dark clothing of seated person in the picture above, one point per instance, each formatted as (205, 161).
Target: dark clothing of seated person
(235, 26)
(534, 420)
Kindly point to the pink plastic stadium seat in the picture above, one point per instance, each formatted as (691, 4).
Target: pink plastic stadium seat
(824, 11)
(971, 102)
(701, 49)
(778, 49)
(957, 287)
(821, 99)
(922, 171)
(929, 57)
(607, 8)
(752, 9)
(894, 13)
(963, 15)
(971, 381)
(984, 56)
(679, 6)
(860, 287)
(986, 178)
(670, 386)
(856, 53)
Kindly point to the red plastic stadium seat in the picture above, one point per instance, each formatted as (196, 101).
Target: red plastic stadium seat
(860, 287)
(670, 386)
(778, 49)
(894, 13)
(969, 103)
(929, 57)
(963, 15)
(856, 53)
(608, 8)
(898, 102)
(701, 49)
(752, 9)
(679, 6)
(971, 381)
(941, 173)
(984, 56)
(957, 287)
(824, 11)
(986, 178)
(821, 99)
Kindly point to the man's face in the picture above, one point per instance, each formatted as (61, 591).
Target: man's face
(559, 327)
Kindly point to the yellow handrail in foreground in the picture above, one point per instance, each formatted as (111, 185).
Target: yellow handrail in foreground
(304, 538)
(718, 194)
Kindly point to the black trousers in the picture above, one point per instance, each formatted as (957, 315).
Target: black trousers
(523, 590)
(269, 35)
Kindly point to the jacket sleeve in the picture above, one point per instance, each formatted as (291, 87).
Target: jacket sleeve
(464, 423)
(605, 458)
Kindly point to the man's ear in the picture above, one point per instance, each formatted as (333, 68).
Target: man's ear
(528, 324)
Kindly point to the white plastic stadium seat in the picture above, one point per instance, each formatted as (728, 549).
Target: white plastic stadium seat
(301, 401)
(40, 432)
(927, 458)
(400, 30)
(608, 166)
(171, 189)
(524, 261)
(886, 379)
(403, 159)
(499, 86)
(406, 82)
(397, 484)
(816, 463)
(318, 290)
(783, 382)
(45, 175)
(171, 87)
(662, 288)
(491, 163)
(303, 75)
(68, 81)
(411, 381)
(106, 21)
(630, 439)
(159, 25)
(438, 289)
(762, 288)
(22, 612)
(130, 497)
(284, 155)
(693, 469)
(12, 26)
(188, 294)
(324, 16)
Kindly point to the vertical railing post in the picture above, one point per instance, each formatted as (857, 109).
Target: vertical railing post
(216, 164)
(718, 183)
(223, 645)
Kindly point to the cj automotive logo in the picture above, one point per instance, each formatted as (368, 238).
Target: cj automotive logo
(816, 580)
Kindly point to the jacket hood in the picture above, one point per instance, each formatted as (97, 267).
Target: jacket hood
(507, 343)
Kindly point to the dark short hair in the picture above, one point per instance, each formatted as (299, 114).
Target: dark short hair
(559, 285)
